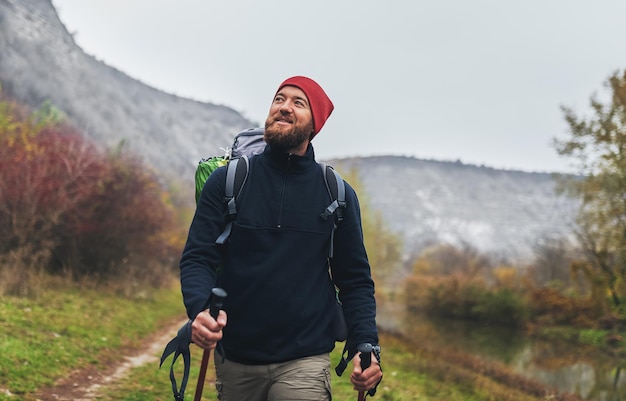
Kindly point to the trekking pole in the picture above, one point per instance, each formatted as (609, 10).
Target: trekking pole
(217, 300)
(366, 359)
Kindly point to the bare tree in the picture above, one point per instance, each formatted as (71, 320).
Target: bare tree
(598, 145)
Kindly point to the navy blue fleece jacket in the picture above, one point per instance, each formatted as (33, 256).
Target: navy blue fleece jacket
(275, 266)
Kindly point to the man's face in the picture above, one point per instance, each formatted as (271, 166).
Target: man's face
(289, 124)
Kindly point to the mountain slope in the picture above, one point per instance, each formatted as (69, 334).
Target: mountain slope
(501, 212)
(40, 61)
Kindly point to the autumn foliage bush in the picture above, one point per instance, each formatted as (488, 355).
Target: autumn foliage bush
(460, 297)
(441, 285)
(68, 207)
(552, 307)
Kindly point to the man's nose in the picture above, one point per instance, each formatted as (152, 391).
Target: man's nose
(286, 107)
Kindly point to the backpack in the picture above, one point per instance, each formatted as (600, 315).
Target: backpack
(247, 143)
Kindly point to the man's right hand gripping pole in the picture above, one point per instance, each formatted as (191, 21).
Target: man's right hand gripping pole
(207, 331)
(366, 377)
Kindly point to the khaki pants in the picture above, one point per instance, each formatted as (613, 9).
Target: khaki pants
(305, 379)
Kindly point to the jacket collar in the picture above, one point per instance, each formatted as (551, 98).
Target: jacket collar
(292, 162)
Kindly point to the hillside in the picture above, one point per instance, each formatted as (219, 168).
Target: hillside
(498, 211)
(39, 61)
(505, 213)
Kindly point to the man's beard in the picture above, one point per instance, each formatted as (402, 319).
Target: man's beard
(286, 139)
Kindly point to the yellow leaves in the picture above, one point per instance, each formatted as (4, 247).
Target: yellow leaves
(422, 266)
(8, 123)
(506, 276)
(17, 133)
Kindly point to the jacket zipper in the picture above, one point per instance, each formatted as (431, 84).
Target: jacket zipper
(282, 195)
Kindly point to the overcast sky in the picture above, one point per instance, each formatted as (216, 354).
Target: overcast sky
(478, 81)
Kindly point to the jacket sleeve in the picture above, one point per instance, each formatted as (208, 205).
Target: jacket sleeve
(352, 275)
(202, 256)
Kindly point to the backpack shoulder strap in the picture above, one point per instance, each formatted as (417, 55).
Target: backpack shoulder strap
(236, 176)
(337, 190)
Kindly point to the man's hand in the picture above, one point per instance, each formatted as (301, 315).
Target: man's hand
(365, 380)
(206, 331)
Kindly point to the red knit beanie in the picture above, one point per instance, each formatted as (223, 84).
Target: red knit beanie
(320, 104)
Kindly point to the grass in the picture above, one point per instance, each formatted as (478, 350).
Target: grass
(44, 339)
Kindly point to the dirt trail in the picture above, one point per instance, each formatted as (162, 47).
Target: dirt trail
(84, 384)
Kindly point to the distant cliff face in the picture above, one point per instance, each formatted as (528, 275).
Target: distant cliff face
(40, 61)
(500, 212)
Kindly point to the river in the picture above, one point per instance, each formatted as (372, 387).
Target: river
(566, 367)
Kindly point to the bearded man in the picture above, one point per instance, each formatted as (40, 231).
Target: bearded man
(276, 327)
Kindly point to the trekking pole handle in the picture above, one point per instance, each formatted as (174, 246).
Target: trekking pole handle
(366, 355)
(217, 301)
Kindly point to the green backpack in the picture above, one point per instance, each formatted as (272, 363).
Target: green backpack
(204, 170)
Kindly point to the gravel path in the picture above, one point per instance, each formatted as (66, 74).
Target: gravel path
(84, 384)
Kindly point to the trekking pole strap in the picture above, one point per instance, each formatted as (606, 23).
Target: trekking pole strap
(343, 363)
(179, 345)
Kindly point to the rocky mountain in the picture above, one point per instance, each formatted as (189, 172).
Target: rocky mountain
(498, 211)
(39, 61)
